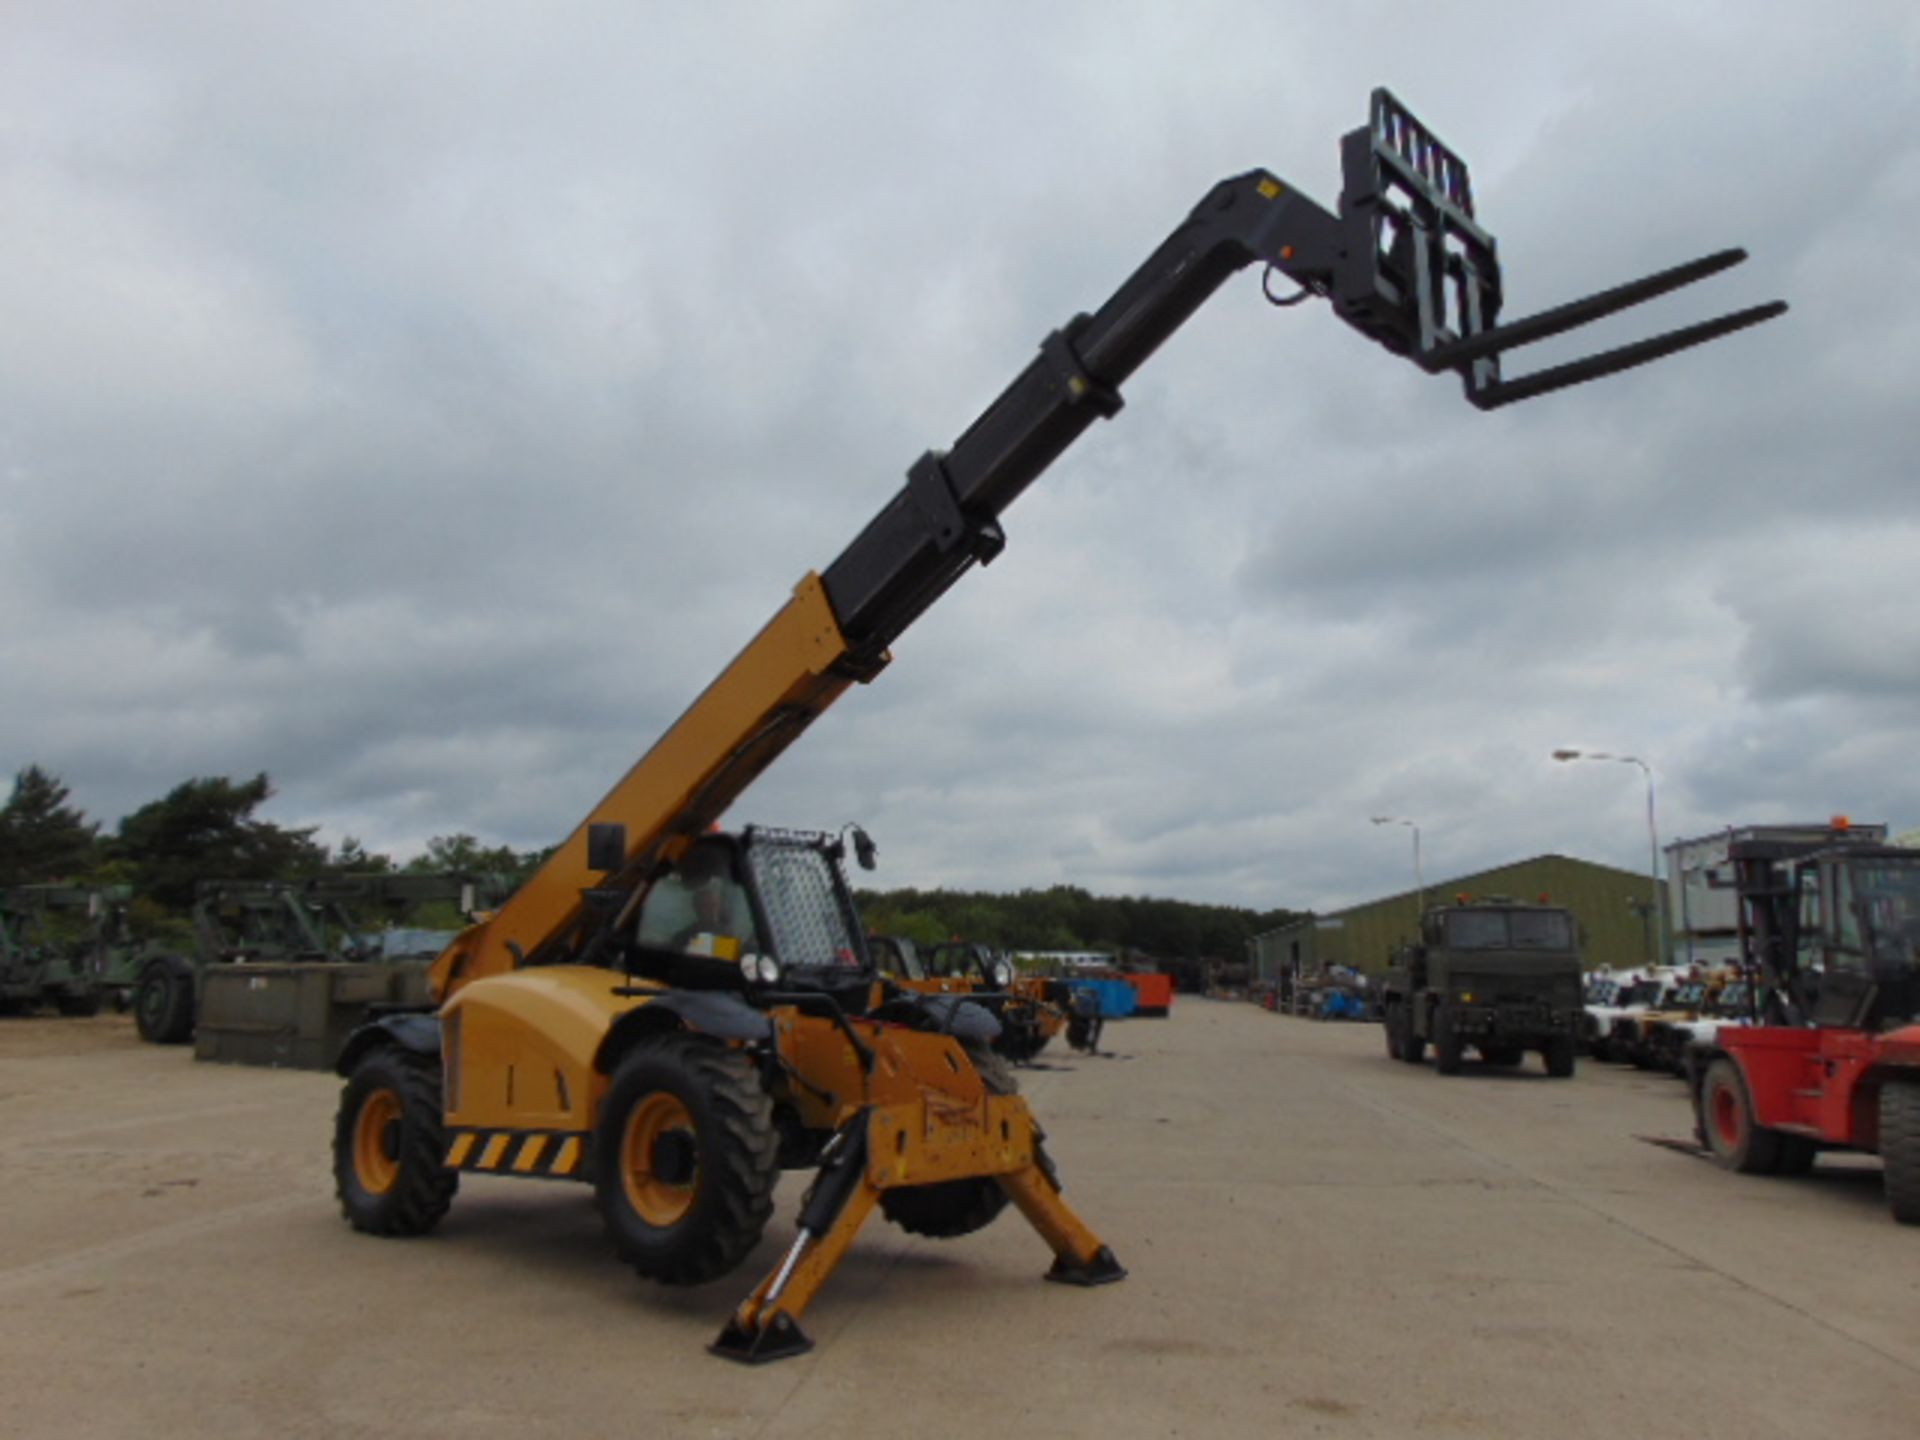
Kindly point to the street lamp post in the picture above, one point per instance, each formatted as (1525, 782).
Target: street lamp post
(1419, 880)
(1653, 840)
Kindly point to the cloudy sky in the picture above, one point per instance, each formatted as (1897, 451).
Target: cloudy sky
(422, 403)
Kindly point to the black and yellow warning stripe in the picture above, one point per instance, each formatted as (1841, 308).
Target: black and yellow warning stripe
(543, 1154)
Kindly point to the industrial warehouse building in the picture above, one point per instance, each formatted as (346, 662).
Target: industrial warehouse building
(1611, 906)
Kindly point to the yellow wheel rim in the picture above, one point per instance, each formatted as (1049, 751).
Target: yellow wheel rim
(656, 1200)
(375, 1169)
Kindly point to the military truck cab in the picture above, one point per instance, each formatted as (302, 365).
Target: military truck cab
(1499, 977)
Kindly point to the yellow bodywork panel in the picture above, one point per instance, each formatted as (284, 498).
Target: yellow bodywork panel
(519, 1048)
(756, 707)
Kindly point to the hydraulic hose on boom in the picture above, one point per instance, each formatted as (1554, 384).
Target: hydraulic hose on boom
(1404, 260)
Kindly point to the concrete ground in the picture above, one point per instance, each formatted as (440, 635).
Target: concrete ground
(1321, 1241)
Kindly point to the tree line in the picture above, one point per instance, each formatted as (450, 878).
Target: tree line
(207, 829)
(1065, 917)
(203, 829)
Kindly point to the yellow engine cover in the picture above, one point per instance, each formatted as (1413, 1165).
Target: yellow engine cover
(519, 1048)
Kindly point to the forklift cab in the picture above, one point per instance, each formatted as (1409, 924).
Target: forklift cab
(1857, 940)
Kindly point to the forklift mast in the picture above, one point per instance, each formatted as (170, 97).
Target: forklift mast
(1404, 260)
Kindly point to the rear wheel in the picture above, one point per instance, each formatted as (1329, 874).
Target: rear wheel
(952, 1208)
(687, 1157)
(1737, 1140)
(163, 1002)
(1900, 1147)
(390, 1145)
(86, 1002)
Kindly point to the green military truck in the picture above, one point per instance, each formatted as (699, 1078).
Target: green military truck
(1500, 977)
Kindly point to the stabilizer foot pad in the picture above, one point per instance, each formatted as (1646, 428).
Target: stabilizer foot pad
(1102, 1269)
(780, 1338)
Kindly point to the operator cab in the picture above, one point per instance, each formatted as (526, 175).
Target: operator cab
(762, 911)
(1857, 929)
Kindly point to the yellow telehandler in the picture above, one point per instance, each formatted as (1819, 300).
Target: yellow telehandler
(672, 1015)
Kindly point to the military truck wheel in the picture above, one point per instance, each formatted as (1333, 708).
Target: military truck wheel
(1900, 1147)
(1559, 1055)
(687, 1156)
(1447, 1045)
(79, 1006)
(163, 1002)
(953, 1208)
(1736, 1140)
(1391, 1025)
(1413, 1047)
(390, 1145)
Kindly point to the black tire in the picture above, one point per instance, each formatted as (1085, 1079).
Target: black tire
(1447, 1044)
(1736, 1141)
(1900, 1147)
(1391, 1025)
(1019, 1042)
(79, 1006)
(390, 1145)
(1559, 1056)
(687, 1155)
(1413, 1047)
(163, 1002)
(952, 1208)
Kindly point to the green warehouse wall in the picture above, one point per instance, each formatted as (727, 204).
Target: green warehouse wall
(1607, 902)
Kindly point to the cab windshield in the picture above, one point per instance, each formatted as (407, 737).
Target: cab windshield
(1509, 930)
(806, 904)
(1886, 898)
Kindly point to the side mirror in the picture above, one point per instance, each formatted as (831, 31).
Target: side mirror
(864, 850)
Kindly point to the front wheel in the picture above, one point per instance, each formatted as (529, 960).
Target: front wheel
(687, 1155)
(1900, 1147)
(390, 1145)
(1392, 1026)
(1447, 1045)
(1559, 1056)
(1727, 1124)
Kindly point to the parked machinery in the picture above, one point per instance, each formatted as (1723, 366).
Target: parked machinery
(1612, 1005)
(280, 971)
(1830, 926)
(68, 946)
(578, 1037)
(1633, 1040)
(1729, 1005)
(1031, 1010)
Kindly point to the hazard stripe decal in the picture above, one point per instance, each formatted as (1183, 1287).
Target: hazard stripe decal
(539, 1153)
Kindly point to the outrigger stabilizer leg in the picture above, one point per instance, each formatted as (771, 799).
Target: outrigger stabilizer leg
(879, 1148)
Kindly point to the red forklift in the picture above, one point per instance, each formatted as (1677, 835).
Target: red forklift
(1829, 927)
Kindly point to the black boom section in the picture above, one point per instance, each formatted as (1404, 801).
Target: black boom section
(946, 517)
(1406, 262)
